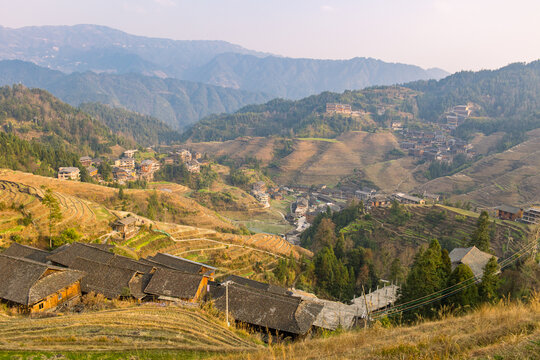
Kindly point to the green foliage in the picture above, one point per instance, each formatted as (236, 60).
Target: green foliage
(394, 154)
(142, 129)
(427, 275)
(178, 173)
(398, 214)
(442, 168)
(67, 236)
(468, 296)
(490, 284)
(55, 215)
(332, 277)
(482, 234)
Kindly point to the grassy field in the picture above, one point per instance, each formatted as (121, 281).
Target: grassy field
(491, 332)
(147, 330)
(501, 331)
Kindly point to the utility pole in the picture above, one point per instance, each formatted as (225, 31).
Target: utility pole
(227, 302)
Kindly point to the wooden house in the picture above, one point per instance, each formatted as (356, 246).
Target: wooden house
(92, 171)
(506, 212)
(69, 173)
(126, 226)
(27, 252)
(281, 314)
(173, 285)
(177, 263)
(30, 286)
(86, 161)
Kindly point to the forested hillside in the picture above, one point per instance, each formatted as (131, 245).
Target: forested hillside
(143, 129)
(512, 92)
(175, 102)
(307, 118)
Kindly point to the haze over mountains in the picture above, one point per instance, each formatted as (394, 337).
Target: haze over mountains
(114, 54)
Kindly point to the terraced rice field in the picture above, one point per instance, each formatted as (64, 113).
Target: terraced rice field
(88, 217)
(133, 328)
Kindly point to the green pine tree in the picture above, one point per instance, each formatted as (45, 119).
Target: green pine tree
(490, 281)
(468, 296)
(481, 235)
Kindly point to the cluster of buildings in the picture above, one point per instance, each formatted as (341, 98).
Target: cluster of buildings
(35, 280)
(343, 109)
(186, 157)
(529, 215)
(457, 116)
(429, 145)
(259, 192)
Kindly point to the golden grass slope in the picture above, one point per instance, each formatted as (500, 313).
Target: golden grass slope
(134, 328)
(492, 332)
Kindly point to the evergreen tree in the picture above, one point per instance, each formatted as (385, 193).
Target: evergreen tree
(481, 235)
(468, 296)
(55, 214)
(332, 276)
(325, 235)
(396, 271)
(490, 281)
(425, 277)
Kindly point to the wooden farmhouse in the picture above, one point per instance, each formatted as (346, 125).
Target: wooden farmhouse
(180, 264)
(173, 285)
(281, 314)
(30, 286)
(126, 226)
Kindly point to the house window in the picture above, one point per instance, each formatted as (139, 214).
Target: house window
(40, 306)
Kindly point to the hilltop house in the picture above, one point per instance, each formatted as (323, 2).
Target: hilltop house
(30, 286)
(92, 171)
(185, 155)
(472, 257)
(69, 173)
(129, 153)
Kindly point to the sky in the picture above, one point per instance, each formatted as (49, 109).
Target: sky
(450, 34)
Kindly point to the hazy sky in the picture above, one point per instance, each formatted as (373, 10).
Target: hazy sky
(451, 34)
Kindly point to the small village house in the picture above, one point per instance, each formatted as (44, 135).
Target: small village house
(92, 171)
(475, 259)
(30, 286)
(185, 155)
(177, 263)
(408, 199)
(507, 212)
(125, 163)
(174, 285)
(126, 226)
(531, 215)
(130, 153)
(193, 166)
(69, 173)
(86, 161)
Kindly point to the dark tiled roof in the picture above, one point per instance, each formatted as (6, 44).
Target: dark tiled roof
(173, 283)
(509, 209)
(22, 281)
(111, 281)
(127, 263)
(178, 263)
(76, 250)
(257, 284)
(27, 252)
(262, 308)
(472, 257)
(126, 221)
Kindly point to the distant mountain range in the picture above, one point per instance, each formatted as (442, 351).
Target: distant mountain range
(101, 49)
(175, 102)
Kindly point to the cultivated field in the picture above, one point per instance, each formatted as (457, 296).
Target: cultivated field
(509, 177)
(135, 329)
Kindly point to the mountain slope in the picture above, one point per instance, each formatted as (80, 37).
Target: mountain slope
(100, 49)
(173, 101)
(297, 78)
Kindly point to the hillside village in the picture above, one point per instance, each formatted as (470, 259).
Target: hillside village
(35, 281)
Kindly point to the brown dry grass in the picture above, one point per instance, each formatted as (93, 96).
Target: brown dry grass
(509, 331)
(142, 327)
